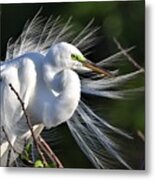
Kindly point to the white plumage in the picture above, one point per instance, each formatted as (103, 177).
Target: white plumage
(40, 66)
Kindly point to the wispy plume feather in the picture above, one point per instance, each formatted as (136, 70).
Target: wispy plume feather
(88, 129)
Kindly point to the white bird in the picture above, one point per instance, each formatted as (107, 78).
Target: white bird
(44, 70)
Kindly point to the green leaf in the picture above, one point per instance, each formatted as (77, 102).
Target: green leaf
(28, 148)
(38, 164)
(50, 165)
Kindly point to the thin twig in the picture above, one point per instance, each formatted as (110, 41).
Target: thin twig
(8, 158)
(39, 142)
(49, 152)
(7, 138)
(29, 123)
(12, 147)
(127, 55)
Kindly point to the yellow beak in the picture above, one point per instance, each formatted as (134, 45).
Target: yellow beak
(96, 69)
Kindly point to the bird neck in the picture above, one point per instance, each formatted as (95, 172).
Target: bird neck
(51, 67)
(67, 84)
(66, 88)
(49, 71)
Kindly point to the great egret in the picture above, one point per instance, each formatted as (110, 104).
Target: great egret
(43, 68)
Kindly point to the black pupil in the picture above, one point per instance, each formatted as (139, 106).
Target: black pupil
(74, 56)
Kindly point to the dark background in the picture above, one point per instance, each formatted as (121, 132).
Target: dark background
(123, 20)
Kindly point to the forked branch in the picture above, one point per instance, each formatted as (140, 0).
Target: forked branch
(41, 145)
(130, 59)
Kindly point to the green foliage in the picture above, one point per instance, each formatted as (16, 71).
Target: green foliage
(26, 158)
(26, 155)
(38, 164)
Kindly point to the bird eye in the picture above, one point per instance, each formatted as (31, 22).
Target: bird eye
(74, 57)
(77, 57)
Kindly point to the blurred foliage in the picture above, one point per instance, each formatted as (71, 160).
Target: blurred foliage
(27, 159)
(123, 20)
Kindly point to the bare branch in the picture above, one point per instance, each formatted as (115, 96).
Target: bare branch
(12, 147)
(39, 141)
(127, 55)
(29, 123)
(7, 138)
(49, 152)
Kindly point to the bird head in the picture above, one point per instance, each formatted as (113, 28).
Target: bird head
(68, 56)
